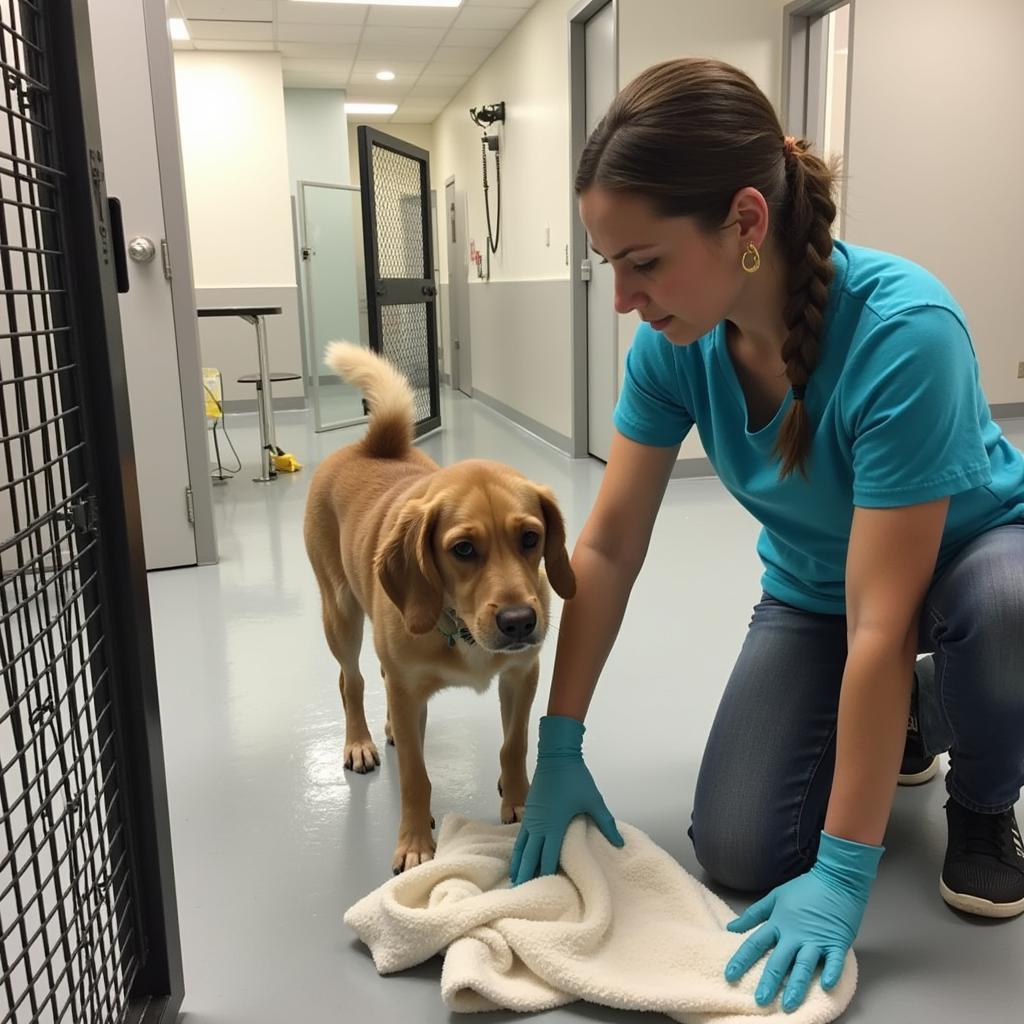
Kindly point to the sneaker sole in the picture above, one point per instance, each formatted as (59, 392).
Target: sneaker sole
(978, 906)
(919, 778)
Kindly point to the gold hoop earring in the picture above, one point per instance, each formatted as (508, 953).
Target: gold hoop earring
(754, 257)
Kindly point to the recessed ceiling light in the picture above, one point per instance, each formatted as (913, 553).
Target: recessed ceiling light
(370, 108)
(179, 30)
(386, 76)
(390, 3)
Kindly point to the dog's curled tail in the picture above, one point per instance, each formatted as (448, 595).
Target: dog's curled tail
(387, 393)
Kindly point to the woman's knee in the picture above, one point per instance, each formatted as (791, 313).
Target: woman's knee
(746, 852)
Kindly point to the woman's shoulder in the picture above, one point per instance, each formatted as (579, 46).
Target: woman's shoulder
(886, 285)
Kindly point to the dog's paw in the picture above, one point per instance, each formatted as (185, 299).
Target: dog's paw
(511, 812)
(412, 850)
(361, 756)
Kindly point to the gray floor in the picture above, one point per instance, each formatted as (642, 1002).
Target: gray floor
(273, 840)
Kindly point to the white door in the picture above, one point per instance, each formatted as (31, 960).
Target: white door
(147, 320)
(602, 321)
(458, 286)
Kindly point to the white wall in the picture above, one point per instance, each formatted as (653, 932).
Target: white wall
(528, 71)
(235, 155)
(935, 154)
(231, 108)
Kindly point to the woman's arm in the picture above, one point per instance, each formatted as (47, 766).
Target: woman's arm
(890, 564)
(608, 555)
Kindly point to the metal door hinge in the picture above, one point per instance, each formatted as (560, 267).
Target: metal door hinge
(165, 255)
(190, 505)
(586, 270)
(84, 515)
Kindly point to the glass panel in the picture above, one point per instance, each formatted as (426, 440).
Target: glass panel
(334, 286)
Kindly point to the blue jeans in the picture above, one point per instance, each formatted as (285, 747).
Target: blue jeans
(765, 779)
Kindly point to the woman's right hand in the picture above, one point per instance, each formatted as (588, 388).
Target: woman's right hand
(562, 788)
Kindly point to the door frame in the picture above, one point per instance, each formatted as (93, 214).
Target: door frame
(803, 72)
(183, 303)
(404, 290)
(306, 290)
(466, 387)
(579, 15)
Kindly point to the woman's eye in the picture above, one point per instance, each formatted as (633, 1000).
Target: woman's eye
(464, 549)
(646, 268)
(531, 539)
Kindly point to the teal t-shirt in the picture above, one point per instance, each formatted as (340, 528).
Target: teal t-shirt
(897, 412)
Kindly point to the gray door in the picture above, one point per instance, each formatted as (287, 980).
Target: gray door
(133, 174)
(458, 286)
(602, 321)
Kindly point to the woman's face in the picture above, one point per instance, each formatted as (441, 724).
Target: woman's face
(678, 277)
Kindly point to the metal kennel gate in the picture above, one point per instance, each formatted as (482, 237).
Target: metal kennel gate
(88, 926)
(399, 257)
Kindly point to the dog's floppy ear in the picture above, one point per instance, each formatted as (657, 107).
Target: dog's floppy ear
(406, 570)
(556, 558)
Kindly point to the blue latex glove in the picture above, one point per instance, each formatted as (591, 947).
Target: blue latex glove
(562, 788)
(810, 918)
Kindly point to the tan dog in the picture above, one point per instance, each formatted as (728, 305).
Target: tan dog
(446, 563)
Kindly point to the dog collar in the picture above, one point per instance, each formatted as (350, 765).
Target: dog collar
(453, 629)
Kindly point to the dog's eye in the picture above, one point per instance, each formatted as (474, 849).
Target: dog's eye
(531, 539)
(464, 549)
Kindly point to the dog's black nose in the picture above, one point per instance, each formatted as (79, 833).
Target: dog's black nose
(517, 621)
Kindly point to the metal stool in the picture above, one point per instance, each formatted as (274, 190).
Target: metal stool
(264, 406)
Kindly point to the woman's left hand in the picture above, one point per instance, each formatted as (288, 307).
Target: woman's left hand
(810, 918)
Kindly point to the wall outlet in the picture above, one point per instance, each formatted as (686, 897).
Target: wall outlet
(1020, 370)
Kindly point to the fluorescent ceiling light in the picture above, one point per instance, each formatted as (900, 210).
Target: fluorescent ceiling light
(385, 76)
(389, 3)
(179, 30)
(370, 108)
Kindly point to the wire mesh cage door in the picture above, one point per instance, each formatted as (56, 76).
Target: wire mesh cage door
(88, 926)
(400, 289)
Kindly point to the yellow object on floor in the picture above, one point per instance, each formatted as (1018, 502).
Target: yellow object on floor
(285, 462)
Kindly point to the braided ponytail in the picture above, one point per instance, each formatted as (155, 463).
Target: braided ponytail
(806, 242)
(687, 135)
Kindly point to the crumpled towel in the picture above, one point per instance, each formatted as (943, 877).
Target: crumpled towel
(626, 928)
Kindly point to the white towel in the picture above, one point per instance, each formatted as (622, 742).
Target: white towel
(627, 928)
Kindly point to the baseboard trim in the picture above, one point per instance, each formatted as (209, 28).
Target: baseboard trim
(237, 405)
(546, 434)
(688, 469)
(1007, 410)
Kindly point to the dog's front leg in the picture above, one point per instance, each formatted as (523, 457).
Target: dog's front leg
(516, 688)
(415, 839)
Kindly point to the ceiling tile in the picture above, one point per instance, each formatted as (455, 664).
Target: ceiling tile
(305, 64)
(461, 58)
(523, 4)
(400, 67)
(325, 14)
(315, 51)
(402, 36)
(376, 52)
(235, 31)
(307, 33)
(226, 44)
(487, 38)
(489, 17)
(244, 10)
(413, 17)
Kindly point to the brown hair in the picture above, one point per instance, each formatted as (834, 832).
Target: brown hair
(688, 135)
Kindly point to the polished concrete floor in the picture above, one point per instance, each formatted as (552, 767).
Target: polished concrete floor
(273, 840)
